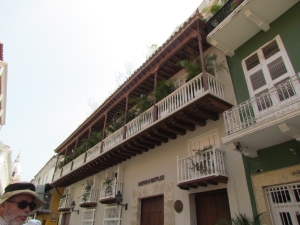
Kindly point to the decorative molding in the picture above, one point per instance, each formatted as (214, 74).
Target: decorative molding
(257, 20)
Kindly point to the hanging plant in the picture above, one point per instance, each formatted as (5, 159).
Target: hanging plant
(202, 165)
(193, 65)
(107, 186)
(87, 191)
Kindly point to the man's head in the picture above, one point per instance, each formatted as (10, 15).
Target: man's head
(17, 201)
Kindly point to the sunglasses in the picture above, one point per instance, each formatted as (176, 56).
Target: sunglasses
(24, 204)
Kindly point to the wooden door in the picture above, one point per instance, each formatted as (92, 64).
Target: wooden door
(152, 211)
(66, 219)
(211, 206)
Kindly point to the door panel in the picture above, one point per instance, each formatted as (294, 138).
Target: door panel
(152, 211)
(211, 206)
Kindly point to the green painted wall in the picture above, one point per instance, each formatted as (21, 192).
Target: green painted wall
(276, 157)
(288, 27)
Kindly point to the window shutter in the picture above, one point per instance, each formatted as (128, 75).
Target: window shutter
(277, 68)
(252, 62)
(270, 49)
(257, 80)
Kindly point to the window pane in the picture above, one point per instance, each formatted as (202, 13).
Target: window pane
(271, 49)
(252, 61)
(277, 68)
(257, 80)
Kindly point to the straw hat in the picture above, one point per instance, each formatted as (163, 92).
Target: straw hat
(21, 188)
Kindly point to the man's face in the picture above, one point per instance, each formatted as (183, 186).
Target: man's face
(12, 213)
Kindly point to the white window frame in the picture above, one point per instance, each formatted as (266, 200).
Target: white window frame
(107, 220)
(282, 202)
(263, 66)
(89, 220)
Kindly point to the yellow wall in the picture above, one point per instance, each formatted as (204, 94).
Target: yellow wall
(53, 207)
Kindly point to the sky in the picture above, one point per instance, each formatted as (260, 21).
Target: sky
(63, 55)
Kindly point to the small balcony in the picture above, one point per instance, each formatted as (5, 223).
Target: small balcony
(248, 17)
(182, 110)
(64, 203)
(207, 167)
(109, 191)
(89, 197)
(268, 115)
(45, 209)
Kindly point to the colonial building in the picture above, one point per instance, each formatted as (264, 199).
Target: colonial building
(261, 40)
(5, 152)
(48, 213)
(5, 166)
(3, 86)
(163, 163)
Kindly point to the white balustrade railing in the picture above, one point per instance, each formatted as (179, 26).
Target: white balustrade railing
(188, 92)
(66, 168)
(209, 163)
(93, 152)
(89, 196)
(110, 190)
(78, 161)
(64, 202)
(139, 123)
(56, 174)
(193, 89)
(275, 102)
(113, 139)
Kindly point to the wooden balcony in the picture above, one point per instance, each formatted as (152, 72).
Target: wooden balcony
(201, 170)
(89, 198)
(268, 115)
(109, 191)
(64, 203)
(186, 107)
(45, 209)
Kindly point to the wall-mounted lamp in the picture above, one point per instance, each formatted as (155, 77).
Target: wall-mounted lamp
(293, 150)
(73, 206)
(119, 199)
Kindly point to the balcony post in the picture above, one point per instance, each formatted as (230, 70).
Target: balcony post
(55, 166)
(204, 75)
(154, 100)
(103, 133)
(125, 117)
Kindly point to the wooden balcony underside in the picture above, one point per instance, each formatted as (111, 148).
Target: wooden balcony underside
(202, 182)
(195, 113)
(64, 209)
(39, 212)
(88, 204)
(107, 200)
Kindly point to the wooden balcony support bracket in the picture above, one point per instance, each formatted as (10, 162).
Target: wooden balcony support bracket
(155, 137)
(128, 149)
(192, 119)
(123, 157)
(113, 161)
(137, 148)
(173, 129)
(165, 134)
(202, 184)
(150, 141)
(184, 125)
(122, 152)
(143, 144)
(213, 182)
(207, 114)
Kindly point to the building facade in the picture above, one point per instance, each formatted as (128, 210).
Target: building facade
(48, 214)
(263, 59)
(167, 160)
(5, 166)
